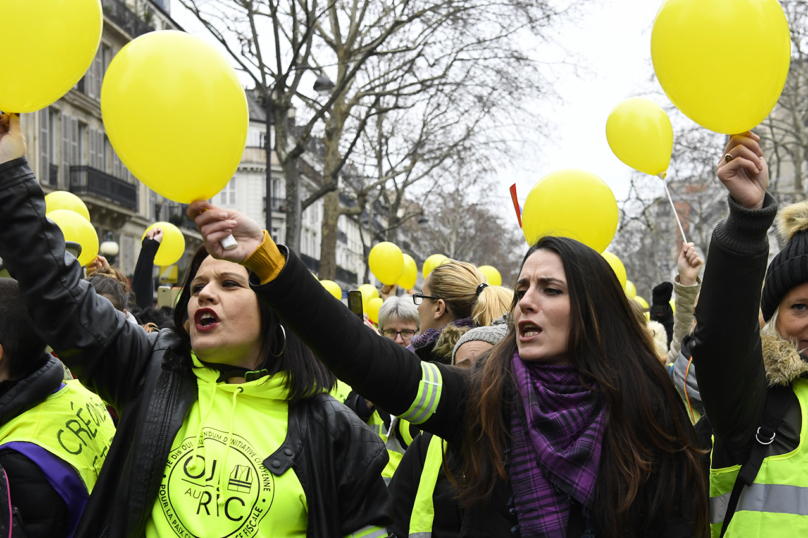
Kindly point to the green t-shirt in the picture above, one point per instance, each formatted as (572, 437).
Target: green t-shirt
(230, 493)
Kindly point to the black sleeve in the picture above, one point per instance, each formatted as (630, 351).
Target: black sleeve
(43, 511)
(107, 353)
(404, 485)
(726, 348)
(380, 370)
(143, 280)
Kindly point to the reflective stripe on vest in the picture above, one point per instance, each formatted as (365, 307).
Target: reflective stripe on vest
(423, 509)
(369, 532)
(428, 395)
(776, 504)
(72, 424)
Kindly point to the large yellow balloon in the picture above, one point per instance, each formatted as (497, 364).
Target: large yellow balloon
(386, 262)
(176, 113)
(491, 274)
(640, 134)
(368, 292)
(76, 228)
(631, 289)
(48, 45)
(333, 288)
(618, 268)
(642, 302)
(431, 262)
(571, 203)
(66, 200)
(374, 305)
(172, 246)
(723, 63)
(409, 275)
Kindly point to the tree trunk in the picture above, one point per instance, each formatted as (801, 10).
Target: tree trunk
(293, 212)
(328, 244)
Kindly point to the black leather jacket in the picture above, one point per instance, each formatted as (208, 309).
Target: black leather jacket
(337, 459)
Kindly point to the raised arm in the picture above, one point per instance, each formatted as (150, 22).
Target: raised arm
(686, 288)
(91, 337)
(143, 279)
(727, 348)
(430, 395)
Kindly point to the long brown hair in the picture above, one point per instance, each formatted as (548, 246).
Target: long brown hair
(648, 440)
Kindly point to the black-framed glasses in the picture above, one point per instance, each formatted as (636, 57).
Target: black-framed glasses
(405, 334)
(418, 297)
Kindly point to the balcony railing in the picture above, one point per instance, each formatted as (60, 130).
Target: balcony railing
(125, 18)
(178, 217)
(87, 180)
(278, 204)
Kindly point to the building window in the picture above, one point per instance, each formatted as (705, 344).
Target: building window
(228, 195)
(45, 154)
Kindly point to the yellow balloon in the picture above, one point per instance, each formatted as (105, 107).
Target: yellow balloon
(631, 289)
(571, 203)
(368, 292)
(48, 45)
(432, 262)
(491, 274)
(76, 228)
(386, 262)
(66, 200)
(172, 246)
(673, 305)
(409, 275)
(333, 288)
(176, 114)
(640, 134)
(618, 268)
(642, 301)
(700, 47)
(373, 309)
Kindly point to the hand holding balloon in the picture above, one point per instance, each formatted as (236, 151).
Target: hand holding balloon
(12, 141)
(689, 264)
(216, 224)
(156, 234)
(100, 263)
(743, 170)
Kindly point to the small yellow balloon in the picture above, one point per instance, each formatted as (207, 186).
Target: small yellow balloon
(697, 47)
(373, 309)
(631, 289)
(333, 288)
(66, 200)
(642, 302)
(673, 305)
(571, 203)
(431, 262)
(76, 228)
(368, 292)
(491, 274)
(640, 134)
(161, 94)
(409, 275)
(618, 268)
(172, 246)
(386, 262)
(48, 45)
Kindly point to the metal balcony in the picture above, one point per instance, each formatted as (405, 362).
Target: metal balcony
(89, 181)
(124, 17)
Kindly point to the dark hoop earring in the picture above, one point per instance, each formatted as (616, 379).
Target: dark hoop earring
(283, 348)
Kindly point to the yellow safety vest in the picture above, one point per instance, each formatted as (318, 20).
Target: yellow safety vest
(72, 424)
(395, 450)
(423, 509)
(776, 504)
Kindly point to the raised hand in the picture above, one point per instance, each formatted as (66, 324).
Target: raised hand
(12, 141)
(156, 234)
(744, 173)
(100, 263)
(215, 224)
(689, 264)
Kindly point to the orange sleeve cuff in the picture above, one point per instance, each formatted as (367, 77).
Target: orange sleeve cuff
(266, 261)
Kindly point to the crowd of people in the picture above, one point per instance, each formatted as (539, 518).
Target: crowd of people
(260, 406)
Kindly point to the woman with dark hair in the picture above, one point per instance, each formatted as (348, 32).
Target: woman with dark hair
(226, 428)
(569, 427)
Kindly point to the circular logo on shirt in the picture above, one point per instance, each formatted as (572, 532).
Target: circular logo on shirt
(217, 495)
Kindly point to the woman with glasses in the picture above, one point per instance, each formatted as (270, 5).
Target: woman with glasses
(398, 320)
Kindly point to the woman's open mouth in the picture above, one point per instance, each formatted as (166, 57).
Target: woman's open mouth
(205, 319)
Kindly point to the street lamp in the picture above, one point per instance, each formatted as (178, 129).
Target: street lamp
(323, 85)
(109, 248)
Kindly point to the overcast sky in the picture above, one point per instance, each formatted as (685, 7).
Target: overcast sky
(611, 43)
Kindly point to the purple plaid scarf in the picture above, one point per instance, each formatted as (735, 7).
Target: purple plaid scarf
(556, 448)
(430, 336)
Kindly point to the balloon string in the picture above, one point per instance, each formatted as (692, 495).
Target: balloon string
(675, 213)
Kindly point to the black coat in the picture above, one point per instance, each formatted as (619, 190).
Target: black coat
(389, 376)
(336, 458)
